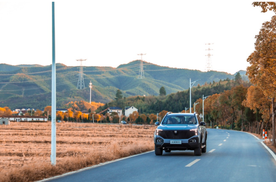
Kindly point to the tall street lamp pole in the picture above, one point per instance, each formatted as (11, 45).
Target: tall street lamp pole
(191, 84)
(53, 116)
(203, 98)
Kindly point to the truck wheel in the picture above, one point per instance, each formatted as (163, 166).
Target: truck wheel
(197, 151)
(158, 151)
(205, 147)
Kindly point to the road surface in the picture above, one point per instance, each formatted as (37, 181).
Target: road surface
(231, 156)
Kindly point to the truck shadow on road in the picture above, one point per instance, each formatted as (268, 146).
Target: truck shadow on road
(179, 153)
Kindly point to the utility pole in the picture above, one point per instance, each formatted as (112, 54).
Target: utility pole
(191, 84)
(203, 98)
(53, 116)
(195, 103)
(209, 62)
(90, 86)
(80, 84)
(141, 72)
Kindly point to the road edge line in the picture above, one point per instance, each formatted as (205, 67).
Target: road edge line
(266, 147)
(91, 167)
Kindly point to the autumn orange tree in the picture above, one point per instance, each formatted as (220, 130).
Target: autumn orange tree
(60, 115)
(77, 116)
(5, 111)
(152, 118)
(262, 69)
(144, 118)
(162, 114)
(133, 116)
(38, 113)
(257, 101)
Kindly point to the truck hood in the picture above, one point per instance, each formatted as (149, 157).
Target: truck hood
(177, 127)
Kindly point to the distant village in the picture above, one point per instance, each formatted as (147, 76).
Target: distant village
(110, 114)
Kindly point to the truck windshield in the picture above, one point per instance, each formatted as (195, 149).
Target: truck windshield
(179, 120)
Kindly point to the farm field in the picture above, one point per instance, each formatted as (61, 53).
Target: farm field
(26, 147)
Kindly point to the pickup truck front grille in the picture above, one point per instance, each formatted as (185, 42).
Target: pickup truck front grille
(176, 134)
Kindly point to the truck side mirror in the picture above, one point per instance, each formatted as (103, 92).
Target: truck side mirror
(202, 123)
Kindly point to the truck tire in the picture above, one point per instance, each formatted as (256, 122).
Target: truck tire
(197, 151)
(158, 151)
(205, 147)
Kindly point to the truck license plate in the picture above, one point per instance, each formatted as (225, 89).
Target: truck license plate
(175, 142)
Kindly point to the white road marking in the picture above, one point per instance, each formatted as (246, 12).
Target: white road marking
(227, 137)
(252, 165)
(212, 150)
(224, 140)
(220, 144)
(268, 149)
(192, 163)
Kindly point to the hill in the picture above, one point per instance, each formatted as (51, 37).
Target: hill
(30, 85)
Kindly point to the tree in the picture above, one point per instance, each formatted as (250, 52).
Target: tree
(238, 95)
(77, 116)
(258, 102)
(153, 118)
(133, 116)
(119, 95)
(38, 113)
(262, 69)
(139, 120)
(238, 79)
(70, 114)
(162, 91)
(60, 115)
(116, 119)
(97, 117)
(144, 118)
(162, 114)
(48, 110)
(271, 6)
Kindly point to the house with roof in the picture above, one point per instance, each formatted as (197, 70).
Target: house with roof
(130, 110)
(115, 109)
(4, 121)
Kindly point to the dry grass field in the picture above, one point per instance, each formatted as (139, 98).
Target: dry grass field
(26, 147)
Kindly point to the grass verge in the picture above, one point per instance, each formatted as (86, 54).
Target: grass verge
(38, 171)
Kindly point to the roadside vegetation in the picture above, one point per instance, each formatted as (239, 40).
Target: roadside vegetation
(26, 147)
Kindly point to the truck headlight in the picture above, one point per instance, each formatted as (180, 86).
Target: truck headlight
(157, 131)
(195, 130)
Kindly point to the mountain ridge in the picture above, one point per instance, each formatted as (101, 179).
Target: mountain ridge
(34, 82)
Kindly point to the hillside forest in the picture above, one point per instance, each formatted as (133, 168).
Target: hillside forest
(29, 86)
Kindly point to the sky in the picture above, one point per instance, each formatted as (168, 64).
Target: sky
(171, 33)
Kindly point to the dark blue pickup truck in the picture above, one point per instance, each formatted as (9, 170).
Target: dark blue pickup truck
(180, 131)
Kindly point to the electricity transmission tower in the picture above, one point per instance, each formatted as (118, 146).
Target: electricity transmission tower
(80, 84)
(141, 72)
(209, 62)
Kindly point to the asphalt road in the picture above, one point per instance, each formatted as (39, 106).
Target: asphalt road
(231, 156)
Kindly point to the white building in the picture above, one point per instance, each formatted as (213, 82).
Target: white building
(27, 118)
(4, 121)
(115, 109)
(130, 110)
